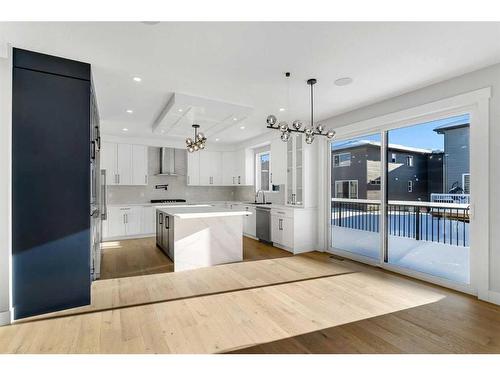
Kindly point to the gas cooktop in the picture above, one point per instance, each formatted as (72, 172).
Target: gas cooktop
(168, 200)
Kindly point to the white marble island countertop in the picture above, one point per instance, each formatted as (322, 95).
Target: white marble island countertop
(195, 212)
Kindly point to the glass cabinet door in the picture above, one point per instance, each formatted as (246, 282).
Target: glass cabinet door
(299, 170)
(289, 171)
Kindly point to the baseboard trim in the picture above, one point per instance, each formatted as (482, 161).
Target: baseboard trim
(491, 296)
(6, 317)
(250, 236)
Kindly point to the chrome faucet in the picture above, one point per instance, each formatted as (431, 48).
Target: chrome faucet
(263, 196)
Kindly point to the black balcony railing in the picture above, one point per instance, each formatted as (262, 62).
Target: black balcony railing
(435, 222)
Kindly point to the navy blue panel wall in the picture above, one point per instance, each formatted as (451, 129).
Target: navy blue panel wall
(51, 185)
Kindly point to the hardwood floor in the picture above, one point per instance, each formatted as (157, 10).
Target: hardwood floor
(142, 257)
(309, 303)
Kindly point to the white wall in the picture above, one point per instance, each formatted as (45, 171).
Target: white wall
(488, 77)
(5, 181)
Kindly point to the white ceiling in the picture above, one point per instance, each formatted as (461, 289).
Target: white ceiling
(244, 63)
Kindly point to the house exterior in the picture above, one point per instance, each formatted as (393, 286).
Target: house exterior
(456, 154)
(414, 173)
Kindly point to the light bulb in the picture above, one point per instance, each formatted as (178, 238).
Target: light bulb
(285, 136)
(283, 125)
(202, 145)
(190, 149)
(297, 124)
(330, 134)
(309, 139)
(196, 148)
(189, 141)
(319, 128)
(271, 120)
(308, 131)
(200, 136)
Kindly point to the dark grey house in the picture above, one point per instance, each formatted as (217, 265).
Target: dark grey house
(414, 173)
(456, 155)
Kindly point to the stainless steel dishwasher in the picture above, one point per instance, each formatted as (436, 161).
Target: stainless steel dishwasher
(263, 221)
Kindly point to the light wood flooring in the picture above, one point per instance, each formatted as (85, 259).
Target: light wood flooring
(142, 257)
(309, 303)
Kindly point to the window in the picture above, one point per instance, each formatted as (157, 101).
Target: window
(409, 161)
(466, 183)
(410, 186)
(342, 160)
(393, 157)
(375, 182)
(262, 162)
(347, 189)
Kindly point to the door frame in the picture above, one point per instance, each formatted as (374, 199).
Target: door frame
(476, 104)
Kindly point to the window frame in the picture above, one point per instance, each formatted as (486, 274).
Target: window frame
(349, 187)
(258, 171)
(463, 182)
(344, 163)
(409, 161)
(409, 186)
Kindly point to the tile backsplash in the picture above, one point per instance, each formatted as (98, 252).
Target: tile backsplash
(177, 186)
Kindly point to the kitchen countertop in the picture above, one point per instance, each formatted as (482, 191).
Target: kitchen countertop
(185, 204)
(200, 212)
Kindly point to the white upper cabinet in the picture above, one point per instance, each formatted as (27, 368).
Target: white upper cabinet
(108, 162)
(193, 168)
(125, 164)
(278, 162)
(139, 165)
(216, 168)
(229, 168)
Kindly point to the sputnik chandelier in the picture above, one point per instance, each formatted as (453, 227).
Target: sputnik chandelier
(198, 142)
(297, 126)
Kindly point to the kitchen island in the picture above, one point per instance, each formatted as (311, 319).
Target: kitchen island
(200, 236)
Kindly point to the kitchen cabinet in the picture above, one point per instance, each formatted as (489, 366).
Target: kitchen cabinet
(282, 231)
(229, 164)
(294, 169)
(193, 168)
(215, 168)
(124, 221)
(278, 162)
(210, 168)
(125, 164)
(249, 221)
(139, 165)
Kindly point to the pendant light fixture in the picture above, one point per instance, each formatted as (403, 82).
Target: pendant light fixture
(196, 143)
(297, 127)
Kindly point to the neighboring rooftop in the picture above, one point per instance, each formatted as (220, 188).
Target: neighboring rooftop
(362, 142)
(452, 122)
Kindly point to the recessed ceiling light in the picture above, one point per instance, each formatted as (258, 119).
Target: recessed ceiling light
(137, 79)
(235, 119)
(242, 127)
(130, 111)
(125, 129)
(179, 110)
(282, 109)
(216, 139)
(344, 81)
(163, 131)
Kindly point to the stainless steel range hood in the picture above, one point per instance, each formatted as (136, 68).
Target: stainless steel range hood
(167, 162)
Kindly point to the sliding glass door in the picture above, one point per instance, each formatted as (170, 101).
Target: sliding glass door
(428, 198)
(401, 197)
(355, 196)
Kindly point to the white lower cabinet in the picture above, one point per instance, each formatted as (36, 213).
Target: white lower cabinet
(282, 228)
(294, 229)
(127, 221)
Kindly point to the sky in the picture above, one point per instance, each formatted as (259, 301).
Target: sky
(420, 135)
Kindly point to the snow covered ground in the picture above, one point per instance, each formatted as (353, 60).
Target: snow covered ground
(443, 260)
